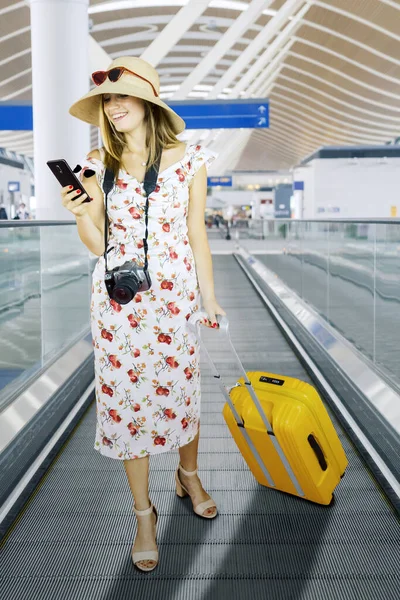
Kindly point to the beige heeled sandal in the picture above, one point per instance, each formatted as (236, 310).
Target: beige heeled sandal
(138, 557)
(182, 492)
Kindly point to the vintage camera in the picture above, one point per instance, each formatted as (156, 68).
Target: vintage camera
(124, 282)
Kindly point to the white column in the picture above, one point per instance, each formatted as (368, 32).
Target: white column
(60, 76)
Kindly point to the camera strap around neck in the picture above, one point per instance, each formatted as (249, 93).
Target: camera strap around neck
(149, 184)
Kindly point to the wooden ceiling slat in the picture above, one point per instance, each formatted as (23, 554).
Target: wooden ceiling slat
(345, 67)
(15, 66)
(339, 86)
(371, 10)
(334, 93)
(353, 29)
(315, 120)
(290, 95)
(324, 134)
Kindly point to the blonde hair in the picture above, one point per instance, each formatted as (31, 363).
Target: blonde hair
(159, 135)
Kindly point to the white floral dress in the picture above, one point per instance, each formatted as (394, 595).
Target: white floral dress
(146, 359)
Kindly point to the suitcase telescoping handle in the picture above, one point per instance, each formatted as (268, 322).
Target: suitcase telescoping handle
(194, 323)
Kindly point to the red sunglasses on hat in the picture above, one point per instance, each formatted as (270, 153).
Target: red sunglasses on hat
(99, 77)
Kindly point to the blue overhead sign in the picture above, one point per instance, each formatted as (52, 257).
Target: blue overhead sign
(298, 185)
(207, 114)
(221, 181)
(223, 114)
(16, 116)
(14, 186)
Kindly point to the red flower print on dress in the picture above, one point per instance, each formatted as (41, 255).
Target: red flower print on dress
(188, 373)
(162, 391)
(187, 263)
(114, 361)
(119, 226)
(172, 362)
(172, 254)
(138, 298)
(169, 413)
(159, 440)
(184, 423)
(180, 174)
(107, 442)
(157, 189)
(166, 227)
(121, 184)
(164, 339)
(136, 407)
(167, 285)
(114, 415)
(132, 321)
(117, 307)
(133, 376)
(132, 429)
(135, 214)
(107, 335)
(107, 390)
(173, 308)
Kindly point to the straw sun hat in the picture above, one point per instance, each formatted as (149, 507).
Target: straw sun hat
(144, 83)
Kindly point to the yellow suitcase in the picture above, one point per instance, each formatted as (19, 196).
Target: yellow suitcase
(282, 430)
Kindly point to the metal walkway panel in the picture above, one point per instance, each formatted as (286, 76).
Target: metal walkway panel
(74, 537)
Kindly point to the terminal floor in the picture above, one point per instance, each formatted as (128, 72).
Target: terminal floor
(74, 537)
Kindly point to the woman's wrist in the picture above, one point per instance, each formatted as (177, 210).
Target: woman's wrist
(208, 298)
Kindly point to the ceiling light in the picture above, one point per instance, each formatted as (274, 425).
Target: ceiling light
(132, 4)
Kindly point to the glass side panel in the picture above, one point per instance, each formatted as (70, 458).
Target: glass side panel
(283, 251)
(315, 266)
(20, 312)
(387, 299)
(351, 283)
(45, 278)
(348, 272)
(65, 288)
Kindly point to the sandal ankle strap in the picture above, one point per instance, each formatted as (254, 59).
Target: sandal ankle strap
(142, 513)
(187, 473)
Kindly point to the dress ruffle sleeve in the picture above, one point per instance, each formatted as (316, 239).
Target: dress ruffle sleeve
(200, 156)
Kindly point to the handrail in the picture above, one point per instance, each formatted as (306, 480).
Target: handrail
(6, 223)
(377, 221)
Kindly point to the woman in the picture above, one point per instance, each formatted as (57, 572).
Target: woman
(146, 358)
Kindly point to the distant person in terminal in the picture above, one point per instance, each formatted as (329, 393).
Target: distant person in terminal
(22, 213)
(3, 213)
(146, 359)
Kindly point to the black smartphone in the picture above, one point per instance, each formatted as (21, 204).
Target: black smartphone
(63, 172)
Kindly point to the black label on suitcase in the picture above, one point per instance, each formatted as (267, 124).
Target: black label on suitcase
(272, 380)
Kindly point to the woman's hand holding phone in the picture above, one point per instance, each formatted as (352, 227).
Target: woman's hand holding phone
(74, 201)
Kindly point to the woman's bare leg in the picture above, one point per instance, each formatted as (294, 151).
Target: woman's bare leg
(188, 460)
(137, 471)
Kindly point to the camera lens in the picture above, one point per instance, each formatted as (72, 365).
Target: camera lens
(122, 294)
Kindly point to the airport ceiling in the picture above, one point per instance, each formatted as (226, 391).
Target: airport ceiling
(330, 69)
